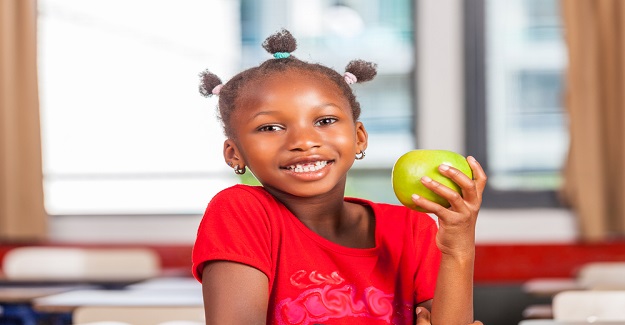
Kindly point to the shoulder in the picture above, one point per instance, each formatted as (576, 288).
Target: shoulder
(245, 208)
(242, 189)
(238, 225)
(240, 193)
(242, 202)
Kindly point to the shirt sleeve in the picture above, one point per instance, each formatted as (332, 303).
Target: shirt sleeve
(429, 257)
(235, 227)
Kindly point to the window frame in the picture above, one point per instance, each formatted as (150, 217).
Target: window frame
(474, 39)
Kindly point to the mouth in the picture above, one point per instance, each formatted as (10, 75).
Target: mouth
(307, 167)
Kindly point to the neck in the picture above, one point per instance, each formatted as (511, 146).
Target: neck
(317, 212)
(332, 218)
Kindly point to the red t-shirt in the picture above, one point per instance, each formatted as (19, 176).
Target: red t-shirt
(313, 280)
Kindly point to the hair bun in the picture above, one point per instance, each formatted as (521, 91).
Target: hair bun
(281, 41)
(362, 70)
(208, 82)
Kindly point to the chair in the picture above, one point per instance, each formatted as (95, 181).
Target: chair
(589, 305)
(48, 264)
(593, 275)
(602, 275)
(139, 315)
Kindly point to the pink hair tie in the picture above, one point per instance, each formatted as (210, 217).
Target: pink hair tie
(350, 78)
(217, 89)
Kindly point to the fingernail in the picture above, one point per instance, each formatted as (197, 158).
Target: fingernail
(426, 179)
(443, 167)
(418, 310)
(415, 197)
(471, 159)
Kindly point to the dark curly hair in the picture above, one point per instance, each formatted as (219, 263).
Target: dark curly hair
(281, 44)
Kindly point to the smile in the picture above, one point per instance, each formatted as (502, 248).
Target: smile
(309, 167)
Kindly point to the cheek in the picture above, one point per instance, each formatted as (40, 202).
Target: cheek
(346, 137)
(258, 151)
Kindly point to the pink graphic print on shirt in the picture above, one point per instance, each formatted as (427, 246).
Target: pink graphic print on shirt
(298, 279)
(328, 298)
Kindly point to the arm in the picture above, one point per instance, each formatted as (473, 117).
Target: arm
(453, 298)
(234, 294)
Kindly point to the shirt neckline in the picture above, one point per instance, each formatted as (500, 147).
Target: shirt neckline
(330, 245)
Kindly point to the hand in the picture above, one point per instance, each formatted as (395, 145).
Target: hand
(456, 234)
(423, 317)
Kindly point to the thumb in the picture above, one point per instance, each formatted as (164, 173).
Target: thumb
(423, 316)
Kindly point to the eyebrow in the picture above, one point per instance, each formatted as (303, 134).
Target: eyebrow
(270, 112)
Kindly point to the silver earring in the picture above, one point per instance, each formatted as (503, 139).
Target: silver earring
(360, 155)
(239, 171)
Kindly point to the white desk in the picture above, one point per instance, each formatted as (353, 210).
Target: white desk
(547, 287)
(25, 294)
(167, 283)
(68, 301)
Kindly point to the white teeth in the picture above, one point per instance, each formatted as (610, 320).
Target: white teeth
(303, 168)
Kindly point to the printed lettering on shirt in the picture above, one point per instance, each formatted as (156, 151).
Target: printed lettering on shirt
(327, 296)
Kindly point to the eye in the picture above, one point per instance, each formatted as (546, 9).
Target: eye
(270, 128)
(326, 121)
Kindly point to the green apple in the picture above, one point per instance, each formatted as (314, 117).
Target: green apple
(413, 165)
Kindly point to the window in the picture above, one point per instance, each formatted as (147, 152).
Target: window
(514, 79)
(124, 128)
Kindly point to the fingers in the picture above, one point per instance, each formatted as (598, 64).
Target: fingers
(423, 316)
(453, 197)
(478, 174)
(473, 193)
(467, 185)
(471, 189)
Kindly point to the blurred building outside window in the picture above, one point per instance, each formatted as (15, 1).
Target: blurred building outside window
(125, 130)
(527, 136)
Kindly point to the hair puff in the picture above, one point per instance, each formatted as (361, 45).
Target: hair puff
(208, 82)
(281, 41)
(363, 70)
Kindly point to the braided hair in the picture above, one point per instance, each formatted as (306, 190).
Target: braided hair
(280, 45)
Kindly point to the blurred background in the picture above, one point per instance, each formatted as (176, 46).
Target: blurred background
(106, 139)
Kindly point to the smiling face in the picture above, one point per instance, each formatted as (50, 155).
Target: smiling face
(295, 131)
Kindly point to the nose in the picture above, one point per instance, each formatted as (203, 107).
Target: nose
(303, 138)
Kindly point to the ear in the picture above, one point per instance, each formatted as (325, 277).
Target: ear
(362, 138)
(232, 154)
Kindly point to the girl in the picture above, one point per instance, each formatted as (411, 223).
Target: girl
(295, 250)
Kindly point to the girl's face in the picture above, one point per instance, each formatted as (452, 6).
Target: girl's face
(295, 131)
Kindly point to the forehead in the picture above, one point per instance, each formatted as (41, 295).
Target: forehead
(290, 84)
